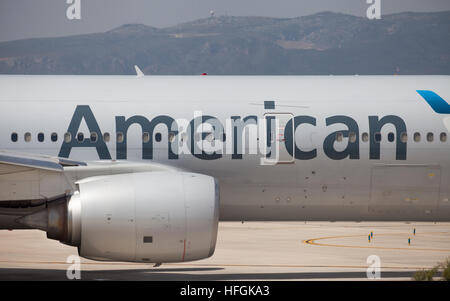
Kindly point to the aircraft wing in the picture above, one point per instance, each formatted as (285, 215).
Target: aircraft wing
(32, 177)
(26, 177)
(16, 162)
(28, 182)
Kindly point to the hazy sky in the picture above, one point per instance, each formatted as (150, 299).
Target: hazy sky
(44, 18)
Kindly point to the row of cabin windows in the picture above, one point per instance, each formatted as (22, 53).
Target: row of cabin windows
(158, 137)
(80, 137)
(391, 137)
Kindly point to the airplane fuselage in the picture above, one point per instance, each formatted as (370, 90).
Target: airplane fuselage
(282, 148)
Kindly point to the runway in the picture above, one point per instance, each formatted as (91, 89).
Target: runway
(252, 251)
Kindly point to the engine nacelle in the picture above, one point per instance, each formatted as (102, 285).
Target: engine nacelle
(141, 217)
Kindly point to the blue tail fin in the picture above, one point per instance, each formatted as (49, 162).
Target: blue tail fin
(437, 103)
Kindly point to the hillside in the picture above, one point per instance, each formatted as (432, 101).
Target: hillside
(324, 43)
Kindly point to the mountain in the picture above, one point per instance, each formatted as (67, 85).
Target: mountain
(321, 44)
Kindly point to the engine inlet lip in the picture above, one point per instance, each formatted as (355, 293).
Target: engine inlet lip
(215, 224)
(74, 220)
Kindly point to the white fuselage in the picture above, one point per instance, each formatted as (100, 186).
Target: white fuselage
(330, 172)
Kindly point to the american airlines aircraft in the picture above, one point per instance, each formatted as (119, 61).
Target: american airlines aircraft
(141, 168)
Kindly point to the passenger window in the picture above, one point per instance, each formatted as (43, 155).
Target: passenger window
(54, 137)
(352, 137)
(171, 137)
(40, 137)
(365, 137)
(391, 137)
(145, 137)
(80, 137)
(404, 137)
(67, 137)
(430, 137)
(106, 137)
(94, 137)
(120, 137)
(417, 137)
(377, 137)
(14, 137)
(27, 137)
(339, 136)
(443, 137)
(158, 137)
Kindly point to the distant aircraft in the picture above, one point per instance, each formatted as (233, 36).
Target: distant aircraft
(133, 168)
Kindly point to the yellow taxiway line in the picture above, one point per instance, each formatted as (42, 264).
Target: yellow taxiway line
(312, 241)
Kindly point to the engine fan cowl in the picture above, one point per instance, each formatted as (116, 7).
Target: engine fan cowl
(140, 217)
(149, 217)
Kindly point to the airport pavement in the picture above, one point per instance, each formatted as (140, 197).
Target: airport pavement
(252, 251)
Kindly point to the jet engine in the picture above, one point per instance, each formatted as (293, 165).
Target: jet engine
(140, 217)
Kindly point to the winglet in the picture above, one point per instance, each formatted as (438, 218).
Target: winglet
(139, 72)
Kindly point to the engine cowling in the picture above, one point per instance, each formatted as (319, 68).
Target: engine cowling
(141, 217)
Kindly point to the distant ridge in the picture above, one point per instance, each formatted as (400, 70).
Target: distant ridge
(133, 28)
(320, 44)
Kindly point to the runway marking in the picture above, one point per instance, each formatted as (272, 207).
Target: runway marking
(289, 266)
(312, 241)
(144, 266)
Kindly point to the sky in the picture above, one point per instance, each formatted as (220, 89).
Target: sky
(20, 19)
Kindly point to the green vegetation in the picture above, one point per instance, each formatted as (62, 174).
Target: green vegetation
(446, 270)
(428, 275)
(425, 275)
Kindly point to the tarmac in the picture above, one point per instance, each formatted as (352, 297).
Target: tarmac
(253, 251)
